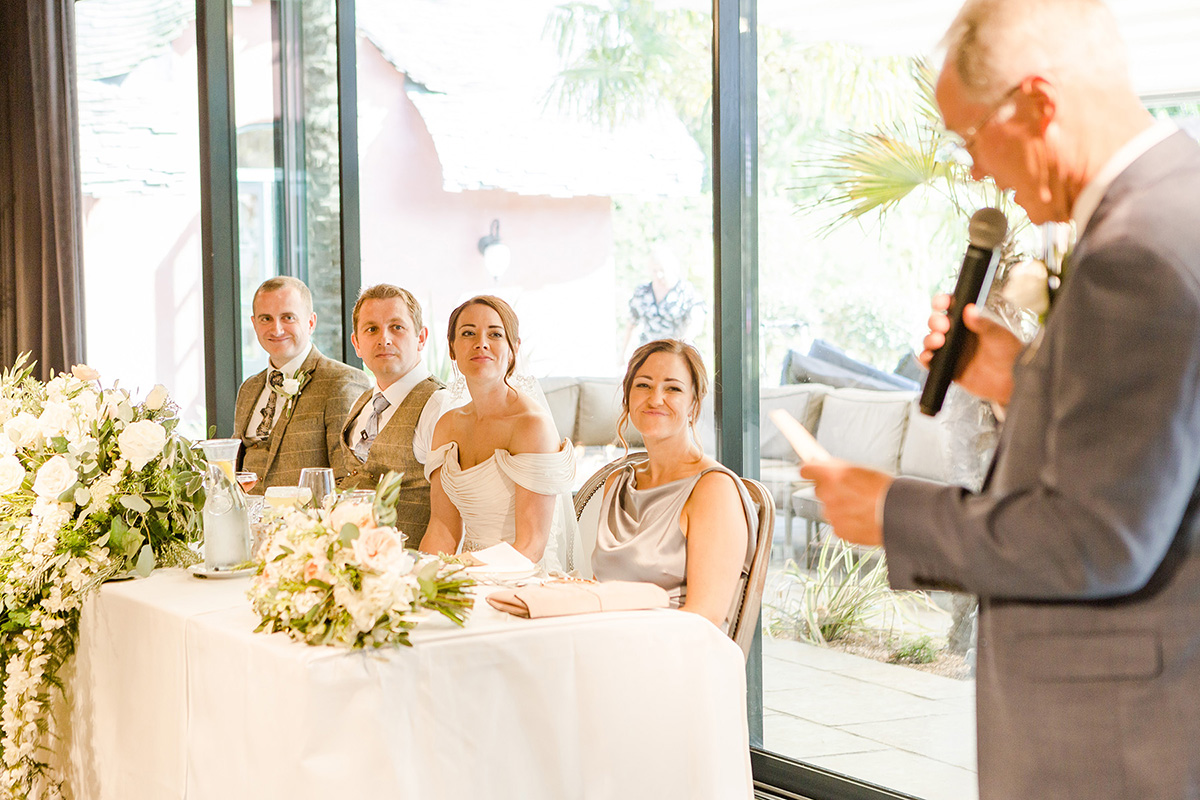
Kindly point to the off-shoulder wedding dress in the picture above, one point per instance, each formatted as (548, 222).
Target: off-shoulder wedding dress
(486, 497)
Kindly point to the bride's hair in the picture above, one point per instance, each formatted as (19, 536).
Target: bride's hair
(508, 319)
(695, 366)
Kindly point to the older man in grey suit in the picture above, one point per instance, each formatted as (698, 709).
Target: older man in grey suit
(1082, 543)
(290, 415)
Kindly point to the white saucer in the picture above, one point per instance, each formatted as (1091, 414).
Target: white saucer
(201, 571)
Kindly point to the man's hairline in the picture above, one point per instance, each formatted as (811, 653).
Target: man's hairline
(312, 312)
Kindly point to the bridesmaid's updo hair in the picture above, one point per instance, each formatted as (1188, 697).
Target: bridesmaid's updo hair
(508, 319)
(695, 366)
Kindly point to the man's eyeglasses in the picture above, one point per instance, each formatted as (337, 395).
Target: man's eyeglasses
(966, 140)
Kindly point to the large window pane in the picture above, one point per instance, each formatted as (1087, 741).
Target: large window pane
(139, 158)
(289, 217)
(859, 680)
(576, 134)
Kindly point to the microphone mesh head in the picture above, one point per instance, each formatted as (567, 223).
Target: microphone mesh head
(987, 228)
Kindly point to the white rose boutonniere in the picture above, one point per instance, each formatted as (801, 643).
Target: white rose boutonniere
(292, 387)
(1027, 287)
(141, 442)
(54, 477)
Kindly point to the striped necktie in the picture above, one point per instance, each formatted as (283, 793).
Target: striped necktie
(363, 446)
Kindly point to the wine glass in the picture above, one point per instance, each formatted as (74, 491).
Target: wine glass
(319, 483)
(247, 480)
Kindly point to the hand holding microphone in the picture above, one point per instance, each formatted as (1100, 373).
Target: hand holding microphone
(985, 233)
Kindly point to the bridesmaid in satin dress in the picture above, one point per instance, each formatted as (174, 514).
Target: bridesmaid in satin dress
(680, 519)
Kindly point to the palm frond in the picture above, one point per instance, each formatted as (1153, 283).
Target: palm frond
(866, 172)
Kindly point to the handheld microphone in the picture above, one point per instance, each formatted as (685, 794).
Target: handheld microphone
(985, 232)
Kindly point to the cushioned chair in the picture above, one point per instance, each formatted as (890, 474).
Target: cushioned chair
(750, 586)
(862, 426)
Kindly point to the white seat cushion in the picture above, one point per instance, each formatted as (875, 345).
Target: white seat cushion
(865, 426)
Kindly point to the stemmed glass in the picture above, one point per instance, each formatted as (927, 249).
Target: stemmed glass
(247, 480)
(319, 483)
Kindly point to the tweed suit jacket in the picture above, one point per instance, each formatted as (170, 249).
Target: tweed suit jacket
(393, 450)
(307, 434)
(1082, 542)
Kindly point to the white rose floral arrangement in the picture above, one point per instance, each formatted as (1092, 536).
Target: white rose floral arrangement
(343, 577)
(291, 387)
(93, 485)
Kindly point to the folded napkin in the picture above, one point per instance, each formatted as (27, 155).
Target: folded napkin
(501, 557)
(563, 599)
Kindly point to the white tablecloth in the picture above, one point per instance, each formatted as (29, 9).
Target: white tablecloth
(176, 697)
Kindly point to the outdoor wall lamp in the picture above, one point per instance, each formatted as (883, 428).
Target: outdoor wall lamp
(496, 255)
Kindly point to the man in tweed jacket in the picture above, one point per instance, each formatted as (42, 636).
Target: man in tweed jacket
(300, 425)
(391, 425)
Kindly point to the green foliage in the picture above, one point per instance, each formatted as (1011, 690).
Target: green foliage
(387, 495)
(922, 650)
(95, 485)
(845, 592)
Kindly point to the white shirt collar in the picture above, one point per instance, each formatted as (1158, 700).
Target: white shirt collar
(290, 369)
(1089, 199)
(400, 389)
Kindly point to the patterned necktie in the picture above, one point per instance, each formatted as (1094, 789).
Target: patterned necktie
(363, 446)
(268, 414)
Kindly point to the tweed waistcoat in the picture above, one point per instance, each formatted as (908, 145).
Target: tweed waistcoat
(306, 434)
(393, 450)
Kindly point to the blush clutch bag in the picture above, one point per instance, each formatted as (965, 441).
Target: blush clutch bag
(564, 599)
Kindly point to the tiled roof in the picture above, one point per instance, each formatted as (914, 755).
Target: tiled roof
(138, 130)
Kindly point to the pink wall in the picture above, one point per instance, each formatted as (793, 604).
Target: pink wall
(419, 236)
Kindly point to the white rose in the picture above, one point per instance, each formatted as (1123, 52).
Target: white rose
(356, 513)
(1026, 287)
(381, 550)
(53, 478)
(12, 473)
(141, 442)
(157, 397)
(22, 430)
(57, 419)
(290, 386)
(86, 405)
(84, 372)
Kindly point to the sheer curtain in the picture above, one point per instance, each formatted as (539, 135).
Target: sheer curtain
(41, 286)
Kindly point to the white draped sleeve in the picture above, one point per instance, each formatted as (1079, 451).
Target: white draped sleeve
(544, 473)
(437, 457)
(550, 473)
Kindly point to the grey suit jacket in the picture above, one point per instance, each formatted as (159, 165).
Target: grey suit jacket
(1081, 543)
(307, 434)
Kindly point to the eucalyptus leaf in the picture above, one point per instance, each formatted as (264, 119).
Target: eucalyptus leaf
(349, 533)
(135, 503)
(145, 562)
(69, 495)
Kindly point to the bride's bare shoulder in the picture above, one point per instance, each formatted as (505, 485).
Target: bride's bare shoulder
(449, 425)
(533, 431)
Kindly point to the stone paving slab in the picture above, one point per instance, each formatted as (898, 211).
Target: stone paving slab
(884, 723)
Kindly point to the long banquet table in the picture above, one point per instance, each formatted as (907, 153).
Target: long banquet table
(174, 696)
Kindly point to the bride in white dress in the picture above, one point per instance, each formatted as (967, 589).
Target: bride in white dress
(497, 469)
